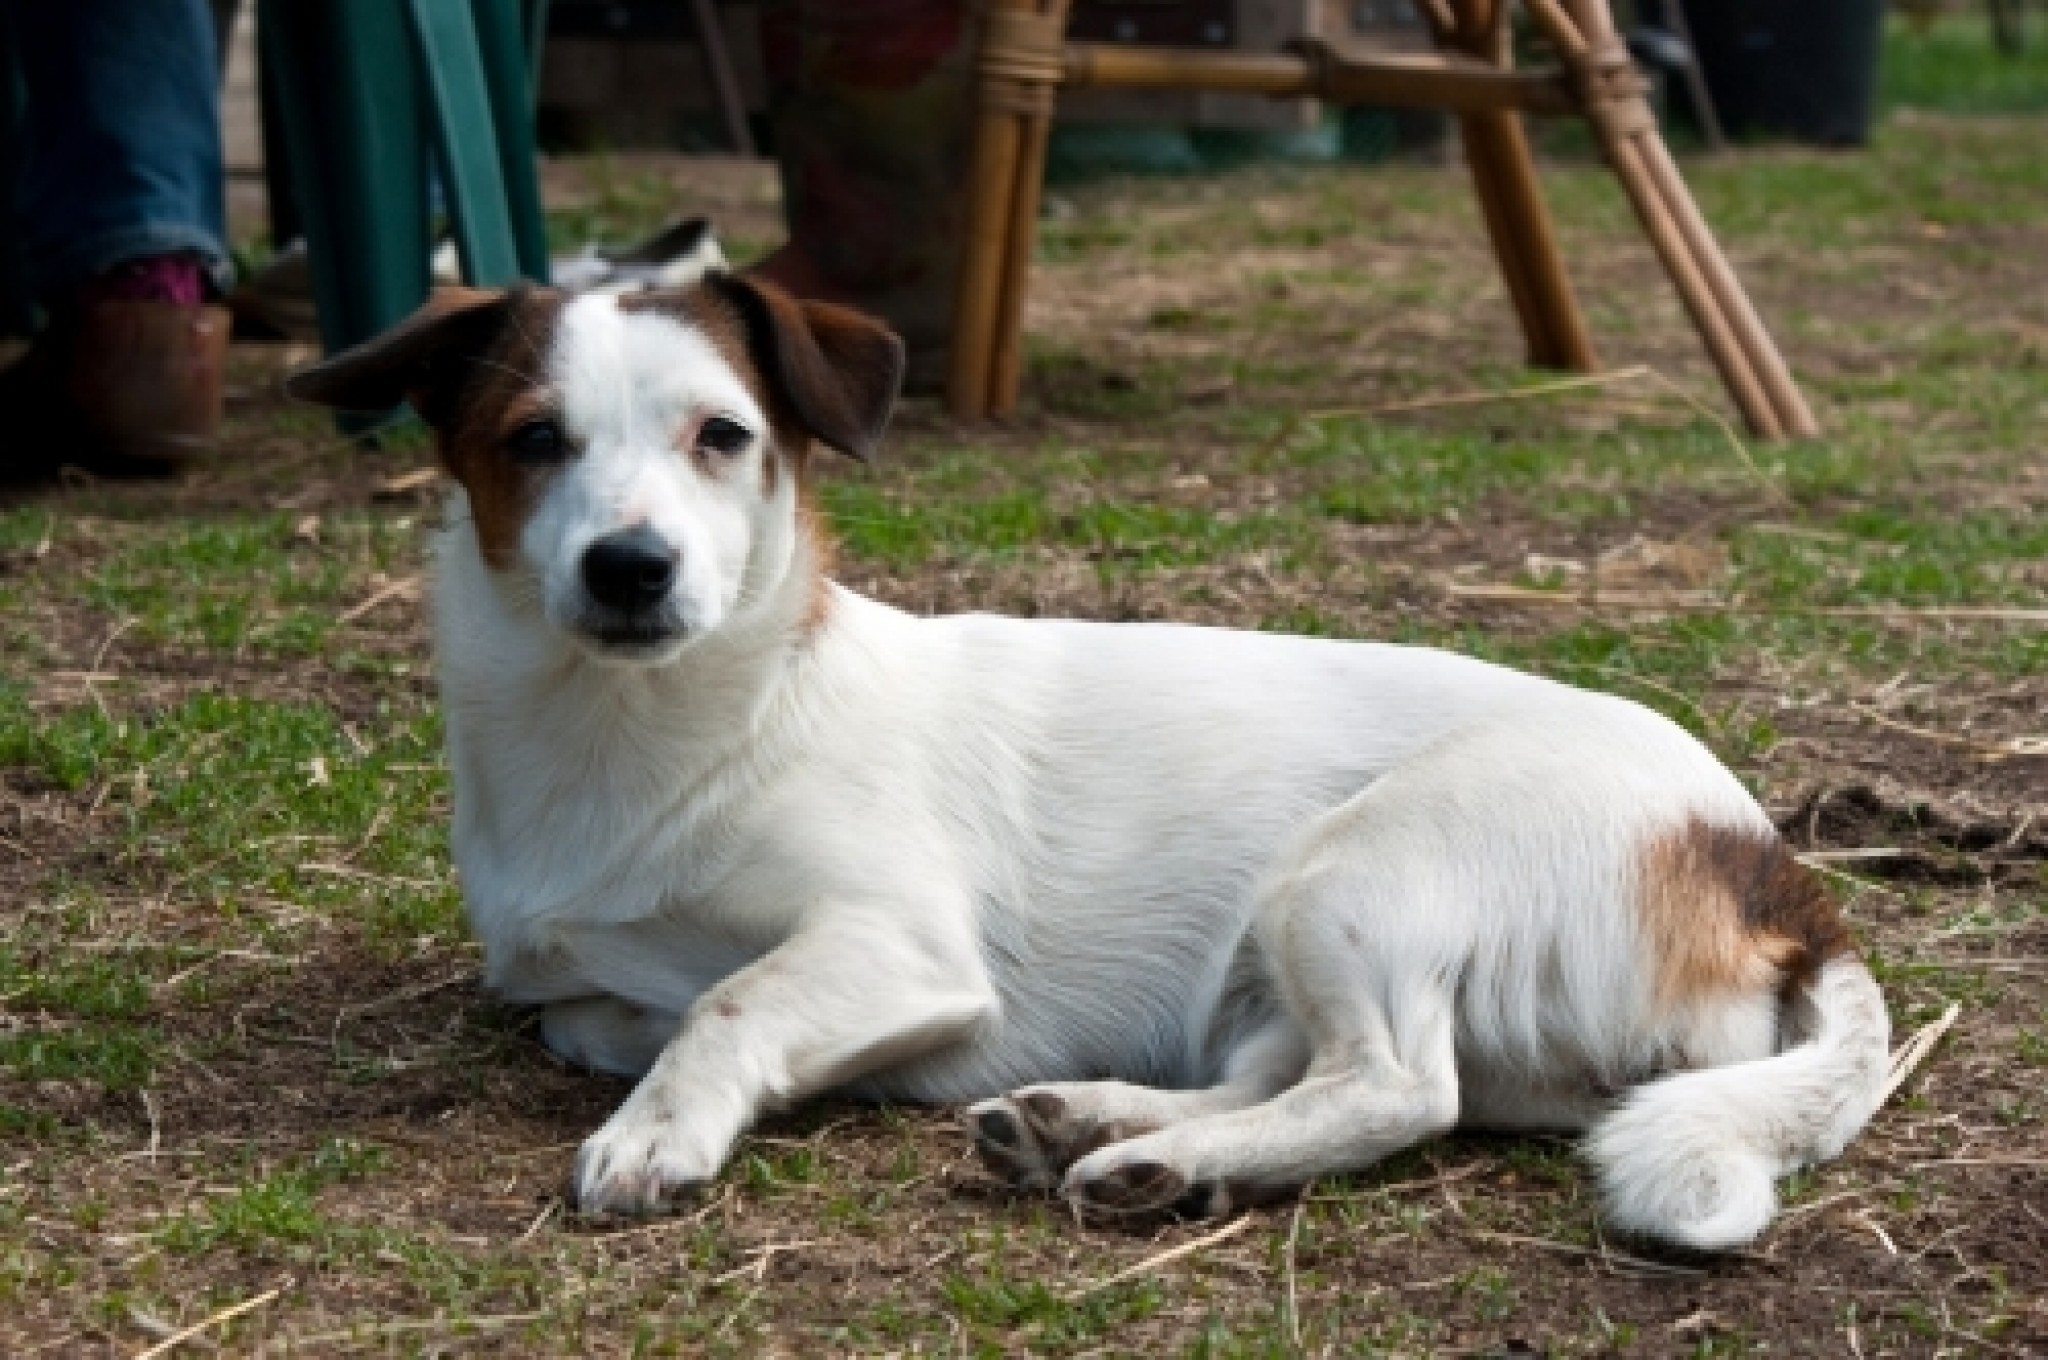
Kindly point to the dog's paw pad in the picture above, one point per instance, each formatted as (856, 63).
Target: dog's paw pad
(998, 1128)
(1138, 1187)
(1211, 1199)
(621, 1204)
(1004, 1141)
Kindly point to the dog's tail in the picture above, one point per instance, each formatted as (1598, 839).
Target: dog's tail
(1692, 1158)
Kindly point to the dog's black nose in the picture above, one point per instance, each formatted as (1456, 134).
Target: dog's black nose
(630, 570)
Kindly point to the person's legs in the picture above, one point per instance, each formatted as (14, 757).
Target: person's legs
(122, 235)
(122, 152)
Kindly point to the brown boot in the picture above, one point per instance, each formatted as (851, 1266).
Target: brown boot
(149, 378)
(118, 387)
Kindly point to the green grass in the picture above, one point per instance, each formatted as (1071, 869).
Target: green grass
(906, 536)
(245, 583)
(232, 837)
(624, 207)
(115, 1057)
(88, 988)
(275, 1208)
(993, 1303)
(1953, 66)
(223, 794)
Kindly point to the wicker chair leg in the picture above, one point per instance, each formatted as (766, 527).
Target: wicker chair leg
(1006, 359)
(1525, 243)
(1021, 66)
(984, 260)
(1750, 365)
(1517, 222)
(1017, 75)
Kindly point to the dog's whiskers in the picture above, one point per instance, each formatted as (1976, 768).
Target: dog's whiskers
(488, 362)
(532, 345)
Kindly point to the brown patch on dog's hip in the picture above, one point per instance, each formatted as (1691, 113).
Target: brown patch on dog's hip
(1729, 909)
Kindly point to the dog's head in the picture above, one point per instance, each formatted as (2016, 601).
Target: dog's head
(635, 458)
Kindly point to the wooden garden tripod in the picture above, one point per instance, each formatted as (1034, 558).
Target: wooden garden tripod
(1025, 58)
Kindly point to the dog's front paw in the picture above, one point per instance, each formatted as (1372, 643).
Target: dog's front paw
(639, 1164)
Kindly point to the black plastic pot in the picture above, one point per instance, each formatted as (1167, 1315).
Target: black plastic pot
(1803, 69)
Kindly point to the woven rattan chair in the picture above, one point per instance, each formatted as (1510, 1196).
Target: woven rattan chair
(1025, 59)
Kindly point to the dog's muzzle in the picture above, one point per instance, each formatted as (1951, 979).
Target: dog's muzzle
(629, 578)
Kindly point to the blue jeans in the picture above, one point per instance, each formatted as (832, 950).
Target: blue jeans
(121, 151)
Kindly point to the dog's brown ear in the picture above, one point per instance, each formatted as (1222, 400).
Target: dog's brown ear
(835, 372)
(423, 360)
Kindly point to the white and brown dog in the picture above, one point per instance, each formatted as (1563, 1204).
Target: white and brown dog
(1195, 915)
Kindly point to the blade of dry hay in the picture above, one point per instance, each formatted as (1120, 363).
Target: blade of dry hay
(1907, 1057)
(1482, 397)
(1293, 1286)
(1603, 1253)
(228, 1314)
(1167, 1257)
(405, 588)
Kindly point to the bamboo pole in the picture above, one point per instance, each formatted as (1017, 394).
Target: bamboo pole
(1558, 27)
(1595, 23)
(1675, 251)
(1790, 404)
(1558, 337)
(1006, 360)
(991, 187)
(984, 263)
(1482, 161)
(1741, 348)
(1511, 203)
(1448, 81)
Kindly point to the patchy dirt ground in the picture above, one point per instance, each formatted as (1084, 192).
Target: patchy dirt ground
(244, 1063)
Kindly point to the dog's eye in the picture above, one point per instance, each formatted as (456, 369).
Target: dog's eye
(721, 435)
(537, 441)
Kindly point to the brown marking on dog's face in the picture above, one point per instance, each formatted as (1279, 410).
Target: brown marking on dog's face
(498, 404)
(823, 374)
(477, 366)
(473, 364)
(831, 375)
(1730, 910)
(703, 312)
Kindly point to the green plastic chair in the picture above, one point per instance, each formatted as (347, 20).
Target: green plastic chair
(375, 99)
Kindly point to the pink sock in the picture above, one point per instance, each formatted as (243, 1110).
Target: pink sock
(153, 278)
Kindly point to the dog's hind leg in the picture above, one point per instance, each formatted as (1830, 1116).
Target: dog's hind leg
(1032, 1135)
(1362, 1101)
(1358, 932)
